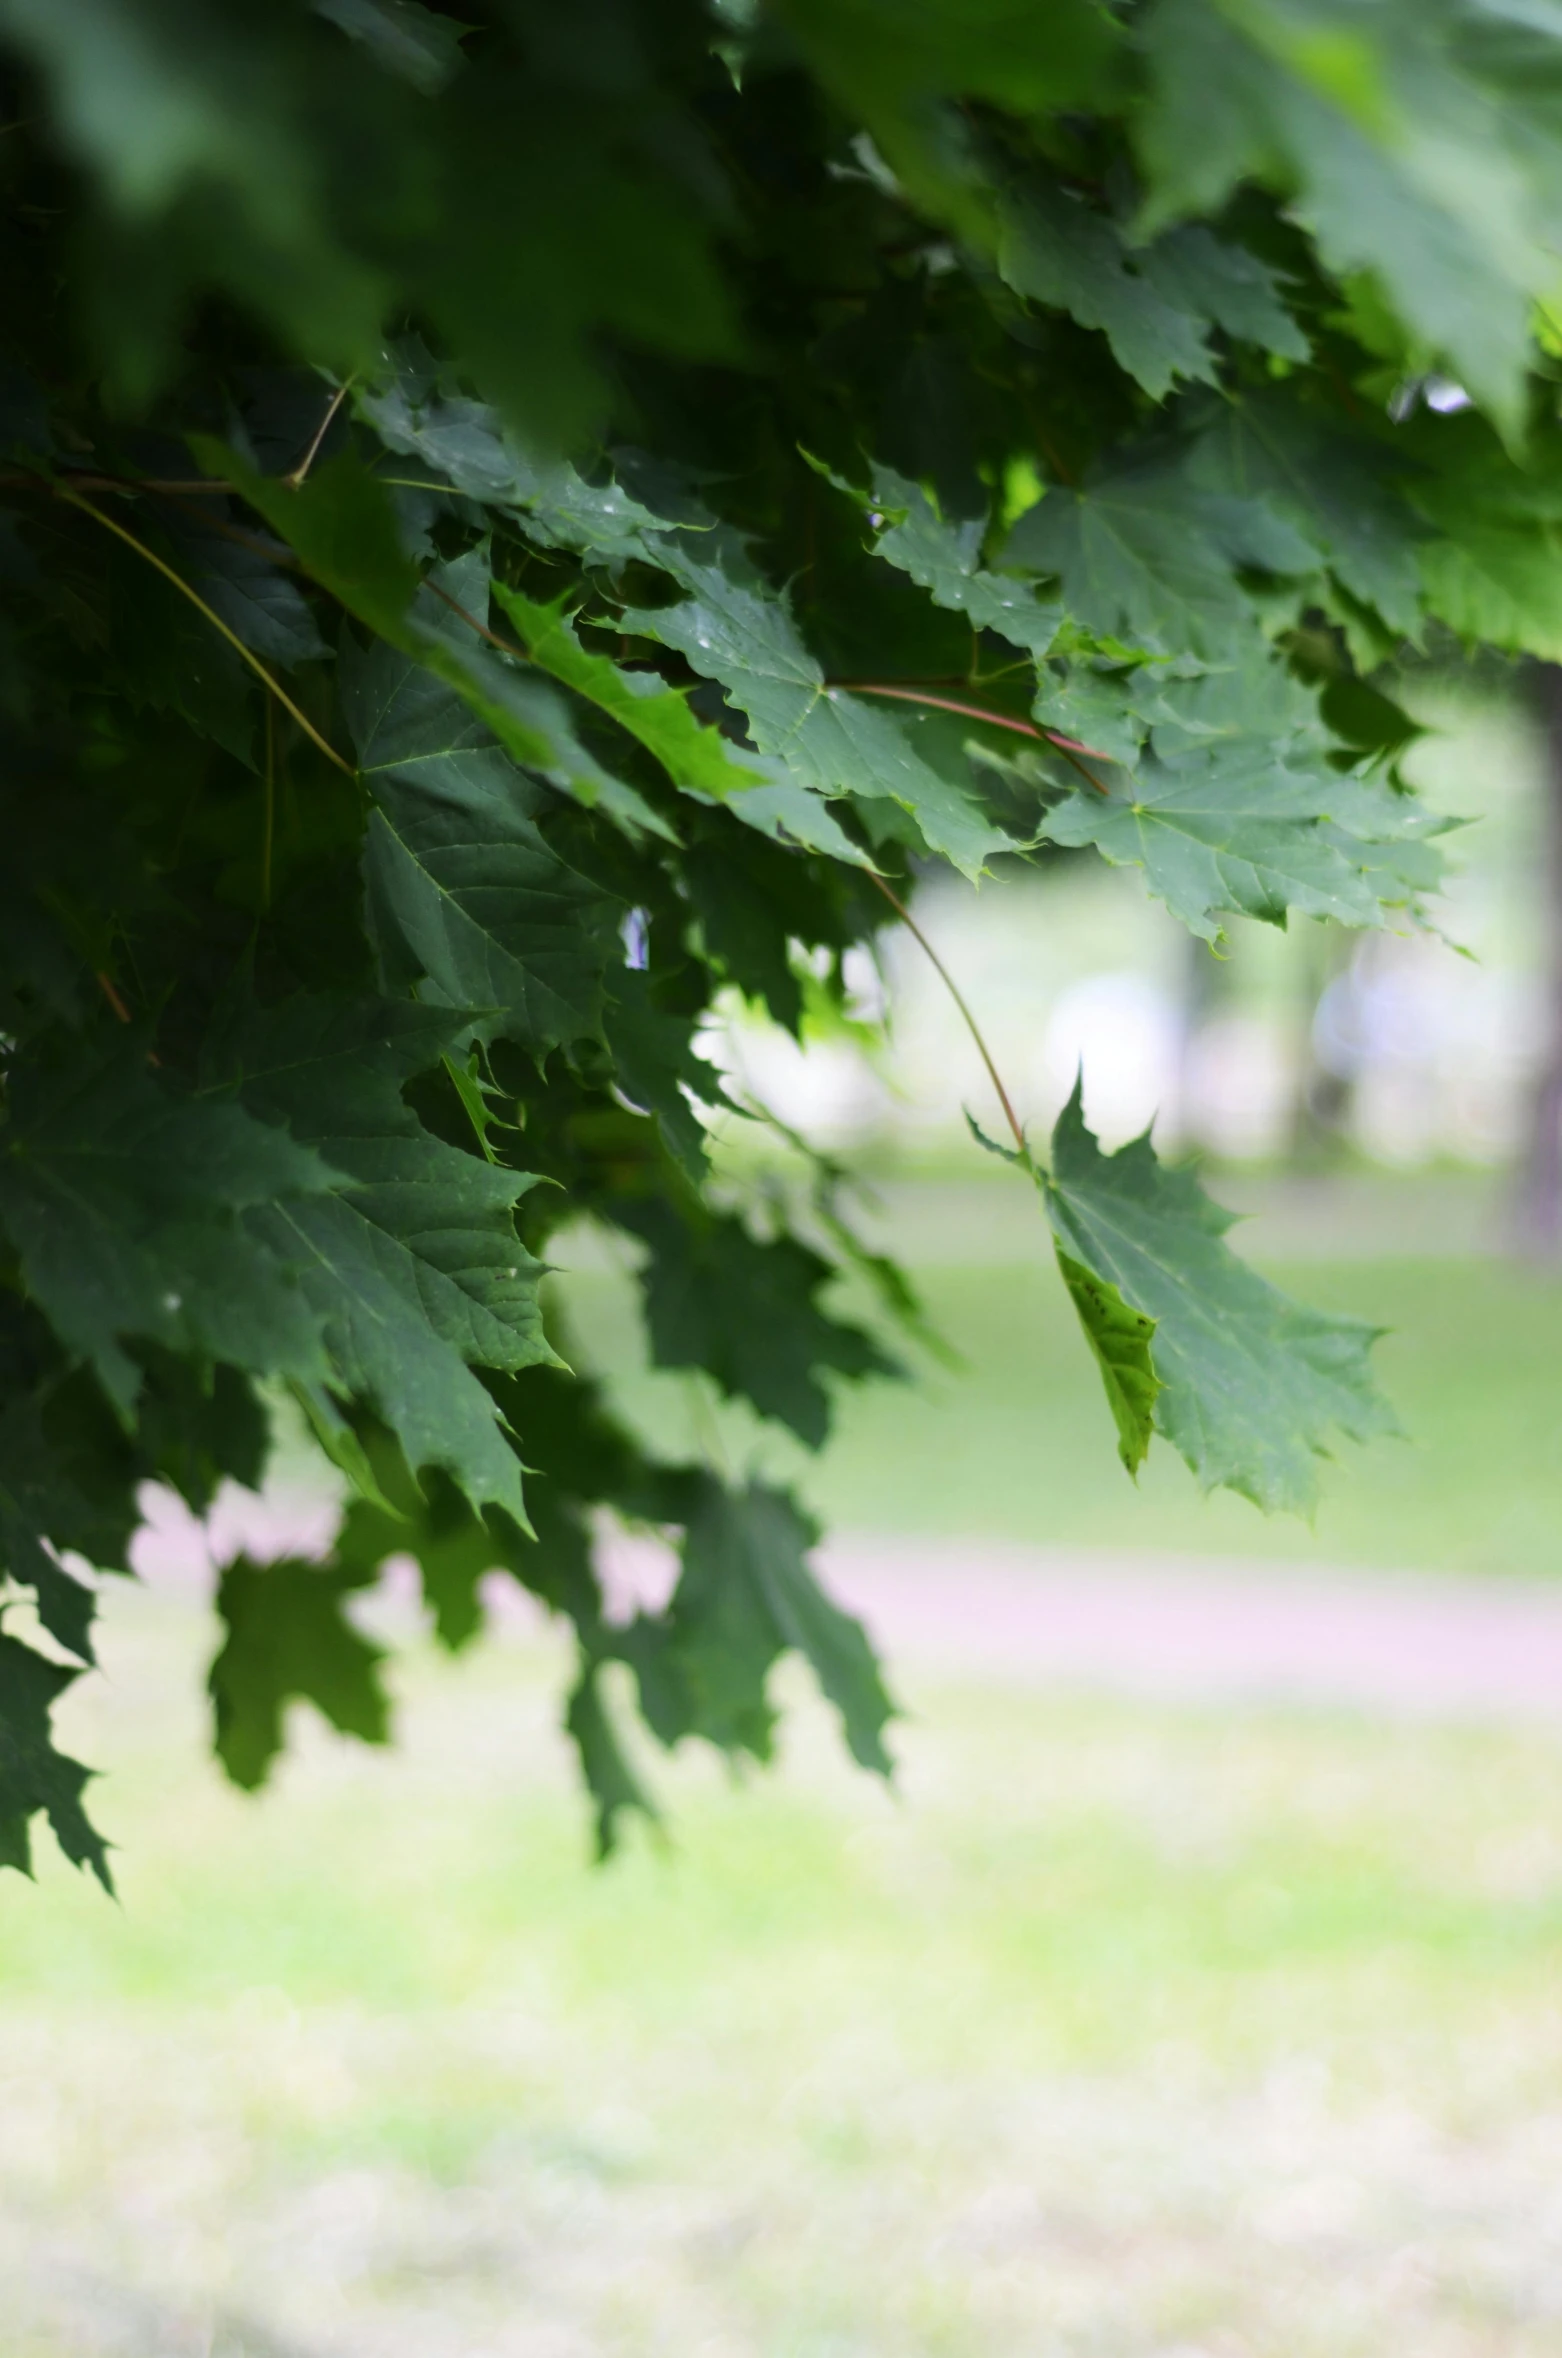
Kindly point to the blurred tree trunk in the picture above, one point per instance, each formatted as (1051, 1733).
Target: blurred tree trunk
(1321, 1099)
(1537, 1206)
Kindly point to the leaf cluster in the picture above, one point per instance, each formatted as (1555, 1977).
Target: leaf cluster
(517, 526)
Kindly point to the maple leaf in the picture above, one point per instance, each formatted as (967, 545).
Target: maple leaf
(1120, 1338)
(33, 1775)
(287, 1640)
(1142, 558)
(746, 1595)
(413, 1266)
(137, 1212)
(832, 743)
(944, 558)
(1233, 828)
(1253, 1384)
(746, 1310)
(311, 931)
(467, 893)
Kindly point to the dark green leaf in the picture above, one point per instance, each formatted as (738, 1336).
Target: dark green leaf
(465, 892)
(944, 558)
(33, 1776)
(1057, 250)
(414, 1267)
(745, 1596)
(288, 1640)
(138, 1213)
(746, 1311)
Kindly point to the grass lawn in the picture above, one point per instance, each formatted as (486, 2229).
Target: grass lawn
(1123, 2032)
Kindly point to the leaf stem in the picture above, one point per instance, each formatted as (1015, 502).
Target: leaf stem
(295, 481)
(25, 479)
(505, 646)
(72, 499)
(953, 988)
(104, 984)
(1069, 747)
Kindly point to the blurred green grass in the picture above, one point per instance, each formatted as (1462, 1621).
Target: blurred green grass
(1018, 1444)
(1121, 2031)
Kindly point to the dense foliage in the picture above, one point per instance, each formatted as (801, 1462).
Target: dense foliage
(520, 520)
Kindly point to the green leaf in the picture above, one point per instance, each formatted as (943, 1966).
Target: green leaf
(431, 1522)
(242, 583)
(1232, 828)
(408, 40)
(1197, 272)
(339, 523)
(653, 1051)
(33, 1776)
(744, 1597)
(944, 559)
(1498, 583)
(1143, 559)
(1380, 123)
(467, 444)
(746, 1311)
(698, 759)
(1339, 491)
(896, 70)
(166, 655)
(610, 1780)
(68, 1472)
(466, 893)
(66, 1606)
(1058, 251)
(832, 743)
(288, 1640)
(414, 1266)
(139, 1213)
(1099, 709)
(527, 716)
(1254, 1385)
(1120, 1337)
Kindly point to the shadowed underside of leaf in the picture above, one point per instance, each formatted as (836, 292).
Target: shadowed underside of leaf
(1121, 1339)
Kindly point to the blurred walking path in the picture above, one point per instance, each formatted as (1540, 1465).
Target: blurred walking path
(1180, 1627)
(1167, 1626)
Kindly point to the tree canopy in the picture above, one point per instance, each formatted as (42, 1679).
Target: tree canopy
(518, 521)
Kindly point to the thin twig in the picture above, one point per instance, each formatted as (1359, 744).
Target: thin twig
(505, 646)
(112, 996)
(295, 481)
(199, 603)
(1070, 754)
(953, 988)
(24, 479)
(1069, 746)
(268, 824)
